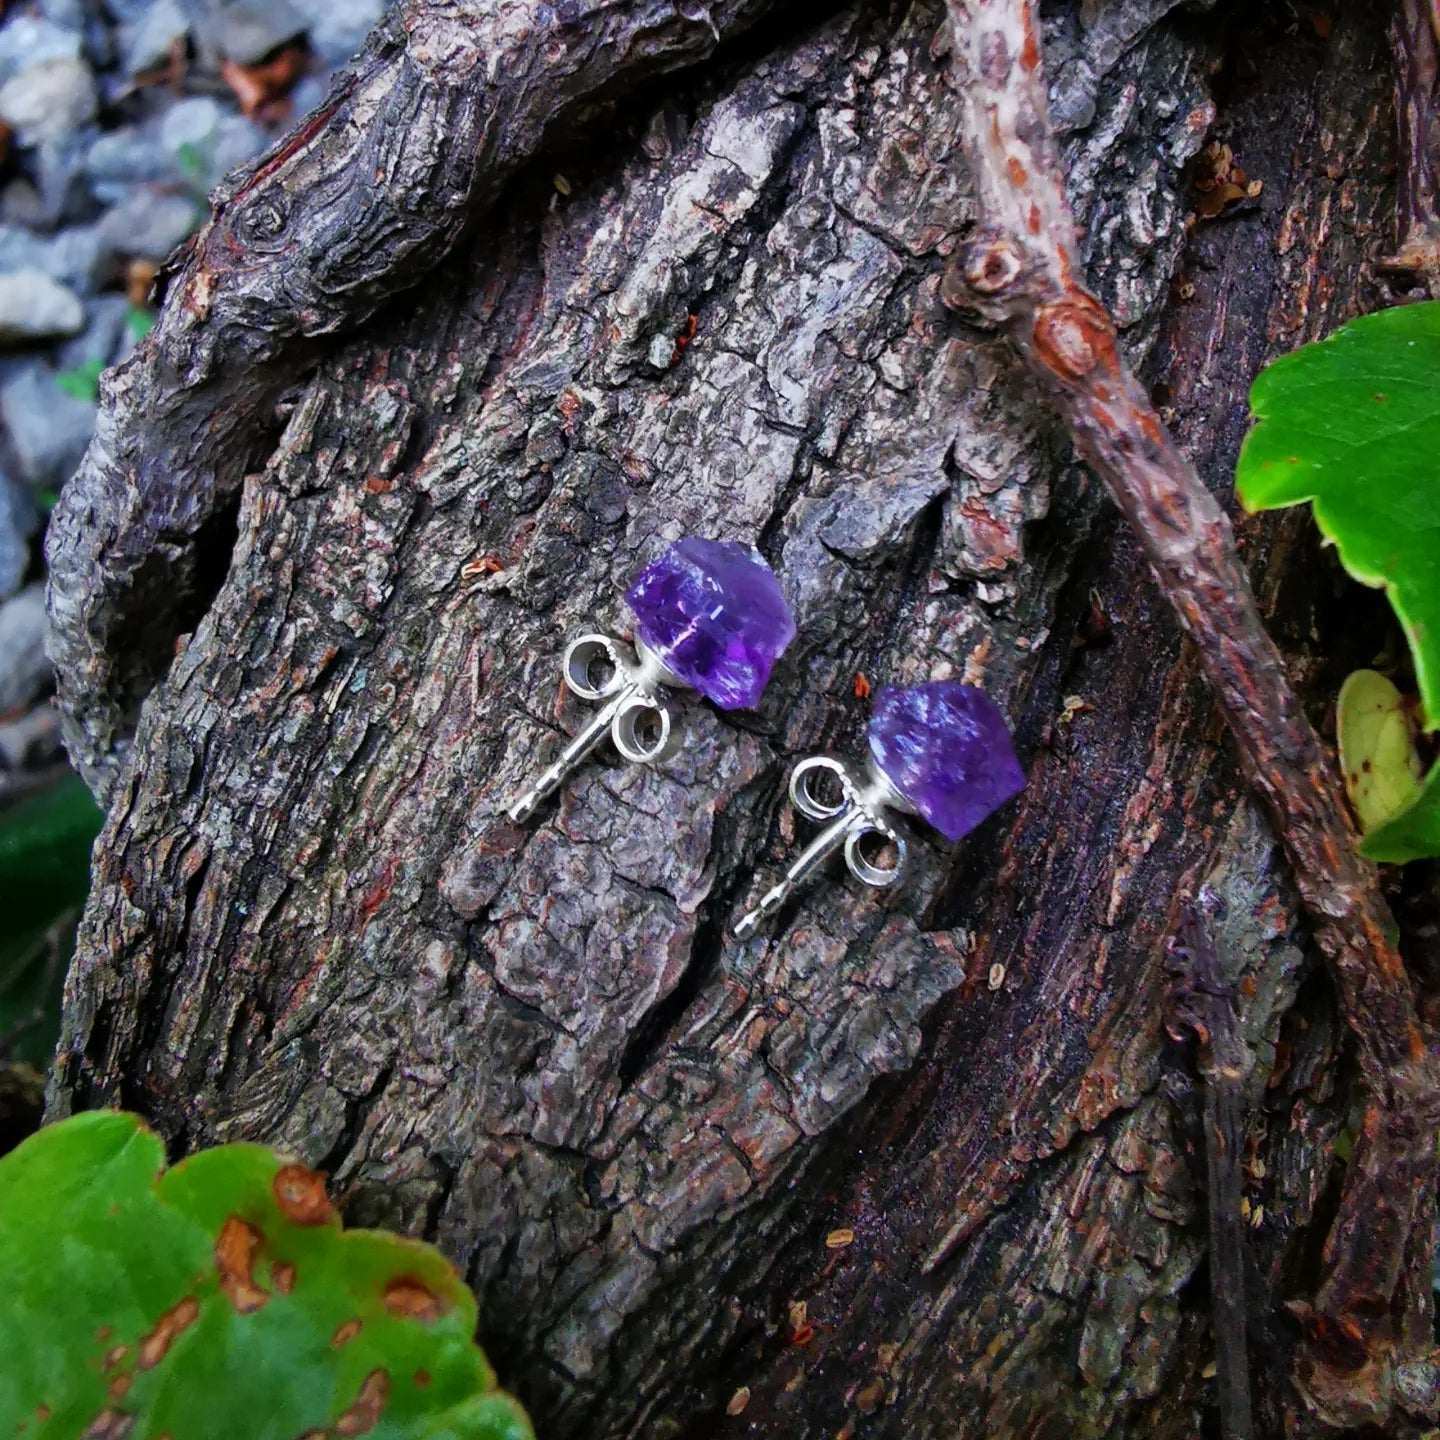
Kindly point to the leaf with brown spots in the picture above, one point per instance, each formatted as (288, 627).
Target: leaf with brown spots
(235, 1260)
(413, 1299)
(172, 1276)
(300, 1192)
(363, 1416)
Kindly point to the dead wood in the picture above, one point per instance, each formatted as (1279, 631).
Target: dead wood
(1022, 269)
(312, 924)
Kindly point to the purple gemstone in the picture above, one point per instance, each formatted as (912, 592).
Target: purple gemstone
(946, 748)
(713, 612)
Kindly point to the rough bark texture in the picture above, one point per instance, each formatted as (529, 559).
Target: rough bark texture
(1372, 1319)
(1415, 35)
(312, 925)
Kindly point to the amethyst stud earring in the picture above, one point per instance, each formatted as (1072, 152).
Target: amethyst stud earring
(709, 617)
(940, 751)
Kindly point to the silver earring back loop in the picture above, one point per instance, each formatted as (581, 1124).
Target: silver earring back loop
(637, 714)
(858, 826)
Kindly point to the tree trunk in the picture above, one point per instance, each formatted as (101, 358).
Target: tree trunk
(312, 925)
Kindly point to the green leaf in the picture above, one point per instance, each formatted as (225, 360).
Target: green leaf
(220, 1298)
(83, 382)
(1353, 424)
(1413, 834)
(1378, 759)
(139, 322)
(190, 160)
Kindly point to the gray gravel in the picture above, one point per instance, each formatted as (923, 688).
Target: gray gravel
(48, 428)
(18, 522)
(115, 151)
(35, 307)
(24, 667)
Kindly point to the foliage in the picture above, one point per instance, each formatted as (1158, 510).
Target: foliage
(1377, 750)
(139, 322)
(1352, 424)
(220, 1297)
(82, 382)
(44, 872)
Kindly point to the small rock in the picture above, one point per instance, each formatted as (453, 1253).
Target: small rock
(24, 666)
(20, 204)
(251, 29)
(337, 28)
(106, 339)
(59, 165)
(35, 307)
(190, 123)
(148, 42)
(236, 141)
(66, 14)
(49, 429)
(76, 257)
(124, 158)
(49, 99)
(18, 522)
(34, 741)
(205, 143)
(128, 12)
(27, 41)
(308, 94)
(150, 224)
(73, 257)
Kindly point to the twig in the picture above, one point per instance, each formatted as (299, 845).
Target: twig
(1205, 1004)
(1415, 38)
(1021, 269)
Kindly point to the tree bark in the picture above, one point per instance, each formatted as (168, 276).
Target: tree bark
(714, 308)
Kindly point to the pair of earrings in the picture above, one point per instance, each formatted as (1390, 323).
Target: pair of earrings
(710, 617)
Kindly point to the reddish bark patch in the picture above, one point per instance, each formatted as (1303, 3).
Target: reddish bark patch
(1074, 336)
(1030, 54)
(1018, 173)
(155, 1346)
(412, 1299)
(300, 1193)
(282, 1277)
(345, 1333)
(378, 893)
(364, 1414)
(235, 1260)
(422, 1379)
(685, 336)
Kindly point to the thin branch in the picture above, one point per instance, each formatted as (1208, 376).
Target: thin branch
(1022, 269)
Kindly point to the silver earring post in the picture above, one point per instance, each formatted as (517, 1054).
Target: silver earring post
(857, 824)
(637, 716)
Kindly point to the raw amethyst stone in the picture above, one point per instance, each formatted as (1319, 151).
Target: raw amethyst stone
(946, 748)
(713, 612)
